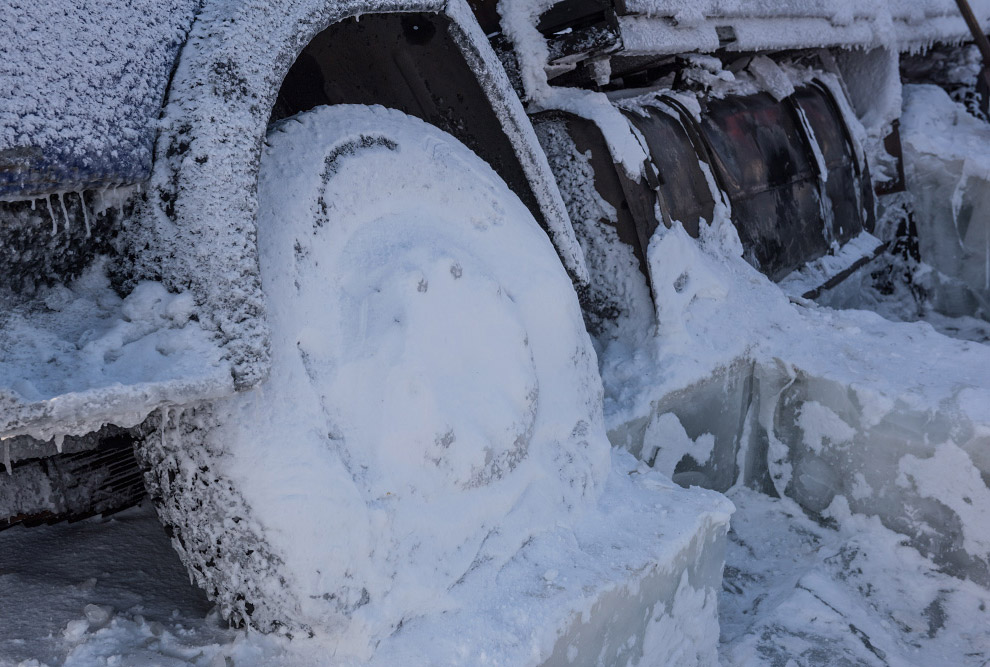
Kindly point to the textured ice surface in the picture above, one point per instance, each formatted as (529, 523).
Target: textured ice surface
(797, 591)
(948, 173)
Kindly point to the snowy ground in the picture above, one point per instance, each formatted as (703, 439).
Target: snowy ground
(112, 592)
(796, 592)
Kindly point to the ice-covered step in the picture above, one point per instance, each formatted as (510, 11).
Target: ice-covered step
(635, 582)
(846, 412)
(852, 415)
(78, 356)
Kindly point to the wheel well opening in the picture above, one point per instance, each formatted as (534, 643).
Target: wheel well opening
(410, 62)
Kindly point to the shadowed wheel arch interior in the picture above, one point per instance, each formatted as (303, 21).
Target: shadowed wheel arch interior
(412, 62)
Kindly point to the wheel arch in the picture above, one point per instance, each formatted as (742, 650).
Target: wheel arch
(197, 228)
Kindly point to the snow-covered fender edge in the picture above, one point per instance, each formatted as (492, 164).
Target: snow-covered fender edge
(197, 229)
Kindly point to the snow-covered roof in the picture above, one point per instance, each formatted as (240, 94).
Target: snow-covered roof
(83, 83)
(674, 26)
(840, 11)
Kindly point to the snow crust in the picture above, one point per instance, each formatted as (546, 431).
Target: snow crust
(841, 11)
(79, 356)
(659, 26)
(903, 389)
(873, 435)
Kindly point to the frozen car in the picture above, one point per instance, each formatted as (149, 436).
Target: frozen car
(321, 278)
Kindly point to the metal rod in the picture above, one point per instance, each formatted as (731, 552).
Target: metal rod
(974, 27)
(983, 79)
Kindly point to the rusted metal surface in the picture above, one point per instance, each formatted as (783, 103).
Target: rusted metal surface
(788, 168)
(408, 62)
(892, 144)
(758, 150)
(682, 188)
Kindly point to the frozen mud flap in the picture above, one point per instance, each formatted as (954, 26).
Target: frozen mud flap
(635, 583)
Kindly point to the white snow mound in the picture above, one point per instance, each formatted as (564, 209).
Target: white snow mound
(434, 400)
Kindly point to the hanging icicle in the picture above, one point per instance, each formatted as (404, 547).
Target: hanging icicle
(82, 202)
(51, 212)
(65, 211)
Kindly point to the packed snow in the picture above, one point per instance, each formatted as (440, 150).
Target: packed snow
(78, 355)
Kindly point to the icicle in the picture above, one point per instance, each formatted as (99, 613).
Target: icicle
(65, 212)
(33, 202)
(59, 439)
(6, 457)
(51, 212)
(164, 418)
(82, 202)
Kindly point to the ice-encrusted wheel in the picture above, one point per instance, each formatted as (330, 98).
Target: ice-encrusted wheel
(434, 399)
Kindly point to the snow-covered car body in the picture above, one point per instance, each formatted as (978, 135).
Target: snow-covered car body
(86, 84)
(194, 227)
(168, 115)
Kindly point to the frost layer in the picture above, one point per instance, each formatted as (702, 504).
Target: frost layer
(84, 83)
